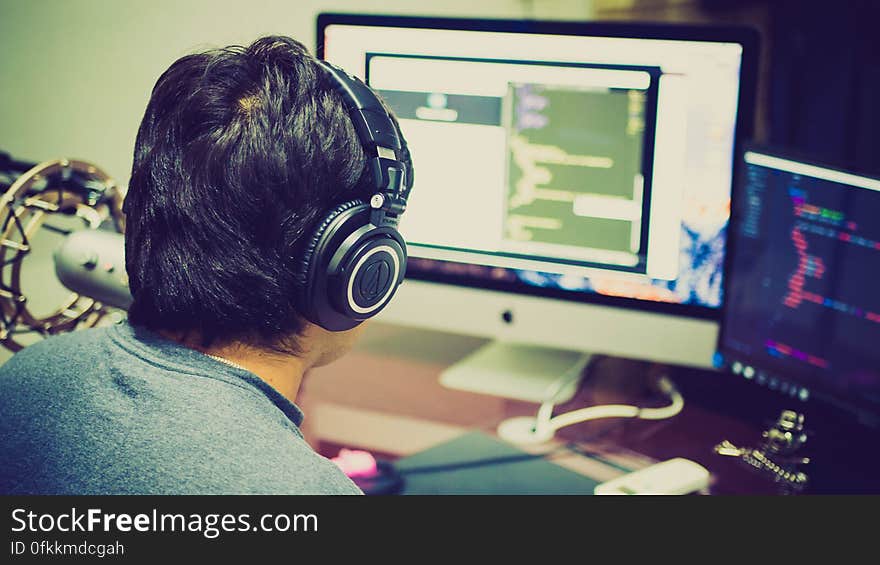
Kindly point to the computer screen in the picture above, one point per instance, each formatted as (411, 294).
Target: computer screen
(802, 312)
(586, 161)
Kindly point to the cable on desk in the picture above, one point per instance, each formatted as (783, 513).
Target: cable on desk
(616, 411)
(542, 428)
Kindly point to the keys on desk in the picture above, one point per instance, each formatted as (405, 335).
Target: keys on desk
(776, 455)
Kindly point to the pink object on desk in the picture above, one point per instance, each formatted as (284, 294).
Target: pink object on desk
(356, 463)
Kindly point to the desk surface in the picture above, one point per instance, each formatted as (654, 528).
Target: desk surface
(385, 397)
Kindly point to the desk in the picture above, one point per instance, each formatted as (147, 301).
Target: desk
(385, 397)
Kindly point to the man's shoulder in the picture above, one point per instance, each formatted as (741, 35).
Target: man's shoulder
(304, 471)
(58, 366)
(60, 349)
(77, 406)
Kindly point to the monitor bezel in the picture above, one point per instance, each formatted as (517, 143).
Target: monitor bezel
(748, 38)
(867, 412)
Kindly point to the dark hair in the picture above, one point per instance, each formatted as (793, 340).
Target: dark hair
(240, 151)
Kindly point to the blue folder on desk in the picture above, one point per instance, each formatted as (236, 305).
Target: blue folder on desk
(476, 463)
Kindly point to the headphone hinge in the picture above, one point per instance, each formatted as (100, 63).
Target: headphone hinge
(386, 208)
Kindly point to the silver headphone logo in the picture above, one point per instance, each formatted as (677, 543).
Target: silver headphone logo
(375, 279)
(376, 282)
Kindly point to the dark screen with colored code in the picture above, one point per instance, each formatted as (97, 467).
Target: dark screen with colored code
(803, 297)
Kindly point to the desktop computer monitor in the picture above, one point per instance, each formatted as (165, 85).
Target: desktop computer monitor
(572, 180)
(802, 313)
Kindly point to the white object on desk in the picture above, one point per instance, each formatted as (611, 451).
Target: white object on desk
(673, 476)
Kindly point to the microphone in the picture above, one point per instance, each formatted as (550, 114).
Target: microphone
(73, 192)
(92, 263)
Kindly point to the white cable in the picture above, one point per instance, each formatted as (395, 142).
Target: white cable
(556, 387)
(546, 424)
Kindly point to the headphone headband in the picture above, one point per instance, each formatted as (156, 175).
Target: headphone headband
(382, 141)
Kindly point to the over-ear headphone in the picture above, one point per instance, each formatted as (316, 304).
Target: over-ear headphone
(355, 259)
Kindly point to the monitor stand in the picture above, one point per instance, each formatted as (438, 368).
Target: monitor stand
(520, 372)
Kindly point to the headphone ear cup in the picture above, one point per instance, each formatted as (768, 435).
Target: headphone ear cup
(350, 268)
(369, 274)
(307, 268)
(305, 263)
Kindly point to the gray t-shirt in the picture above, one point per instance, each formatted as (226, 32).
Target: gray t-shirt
(121, 410)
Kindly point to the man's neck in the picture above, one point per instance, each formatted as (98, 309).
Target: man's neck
(282, 372)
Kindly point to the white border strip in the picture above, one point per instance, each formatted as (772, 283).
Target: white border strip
(811, 170)
(477, 258)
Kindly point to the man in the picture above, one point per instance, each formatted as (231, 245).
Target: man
(240, 152)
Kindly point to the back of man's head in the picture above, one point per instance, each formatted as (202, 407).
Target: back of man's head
(239, 152)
